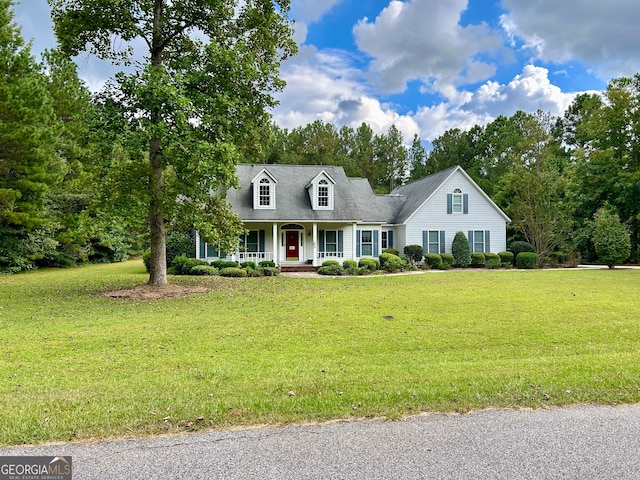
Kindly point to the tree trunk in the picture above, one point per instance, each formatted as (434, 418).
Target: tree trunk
(158, 266)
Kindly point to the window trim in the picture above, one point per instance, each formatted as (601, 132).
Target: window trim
(264, 193)
(436, 243)
(457, 202)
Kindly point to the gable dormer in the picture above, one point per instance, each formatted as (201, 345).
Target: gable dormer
(321, 190)
(264, 190)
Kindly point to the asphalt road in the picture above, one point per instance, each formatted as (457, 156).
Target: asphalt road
(583, 442)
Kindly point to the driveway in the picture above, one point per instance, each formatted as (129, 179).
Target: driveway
(581, 442)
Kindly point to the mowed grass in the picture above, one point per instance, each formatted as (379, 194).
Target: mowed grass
(75, 365)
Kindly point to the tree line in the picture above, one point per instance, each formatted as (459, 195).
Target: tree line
(75, 173)
(553, 176)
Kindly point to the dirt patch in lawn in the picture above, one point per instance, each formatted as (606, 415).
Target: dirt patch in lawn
(147, 292)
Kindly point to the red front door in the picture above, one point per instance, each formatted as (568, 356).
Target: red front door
(292, 246)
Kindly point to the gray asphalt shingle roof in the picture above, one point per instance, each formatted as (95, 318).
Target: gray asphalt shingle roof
(354, 201)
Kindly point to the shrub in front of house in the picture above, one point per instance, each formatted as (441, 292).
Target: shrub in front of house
(526, 260)
(494, 263)
(179, 243)
(478, 260)
(370, 264)
(461, 250)
(267, 263)
(392, 250)
(204, 270)
(491, 256)
(331, 270)
(269, 271)
(183, 265)
(248, 265)
(349, 264)
(233, 272)
(414, 253)
(506, 258)
(391, 263)
(254, 272)
(518, 247)
(447, 261)
(433, 260)
(330, 263)
(220, 264)
(350, 267)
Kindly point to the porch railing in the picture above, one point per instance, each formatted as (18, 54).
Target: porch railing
(330, 254)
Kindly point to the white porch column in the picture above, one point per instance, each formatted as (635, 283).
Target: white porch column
(315, 245)
(276, 242)
(354, 242)
(197, 244)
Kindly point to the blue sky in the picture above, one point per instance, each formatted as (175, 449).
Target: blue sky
(430, 65)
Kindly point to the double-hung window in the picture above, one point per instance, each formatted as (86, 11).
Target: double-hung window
(323, 193)
(251, 242)
(264, 194)
(457, 201)
(479, 240)
(433, 241)
(366, 243)
(331, 243)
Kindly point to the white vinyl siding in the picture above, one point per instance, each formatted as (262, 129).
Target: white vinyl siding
(433, 216)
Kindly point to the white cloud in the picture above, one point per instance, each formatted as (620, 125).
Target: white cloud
(424, 40)
(529, 91)
(603, 35)
(305, 12)
(323, 86)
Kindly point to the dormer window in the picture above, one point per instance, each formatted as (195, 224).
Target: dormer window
(264, 191)
(264, 194)
(321, 191)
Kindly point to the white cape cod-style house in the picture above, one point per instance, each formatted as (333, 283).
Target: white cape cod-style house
(305, 214)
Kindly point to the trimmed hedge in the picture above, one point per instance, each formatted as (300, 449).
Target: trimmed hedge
(392, 263)
(331, 270)
(433, 260)
(478, 260)
(414, 253)
(370, 264)
(267, 263)
(233, 272)
(526, 260)
(330, 263)
(183, 265)
(461, 250)
(270, 271)
(491, 256)
(494, 263)
(506, 257)
(204, 270)
(349, 264)
(224, 264)
(447, 258)
(391, 250)
(249, 265)
(519, 247)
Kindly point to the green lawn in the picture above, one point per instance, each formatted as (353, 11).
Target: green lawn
(74, 365)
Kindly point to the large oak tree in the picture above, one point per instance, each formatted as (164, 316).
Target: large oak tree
(196, 98)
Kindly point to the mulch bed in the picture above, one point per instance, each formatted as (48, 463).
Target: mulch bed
(147, 292)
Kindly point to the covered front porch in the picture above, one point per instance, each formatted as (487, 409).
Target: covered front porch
(288, 244)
